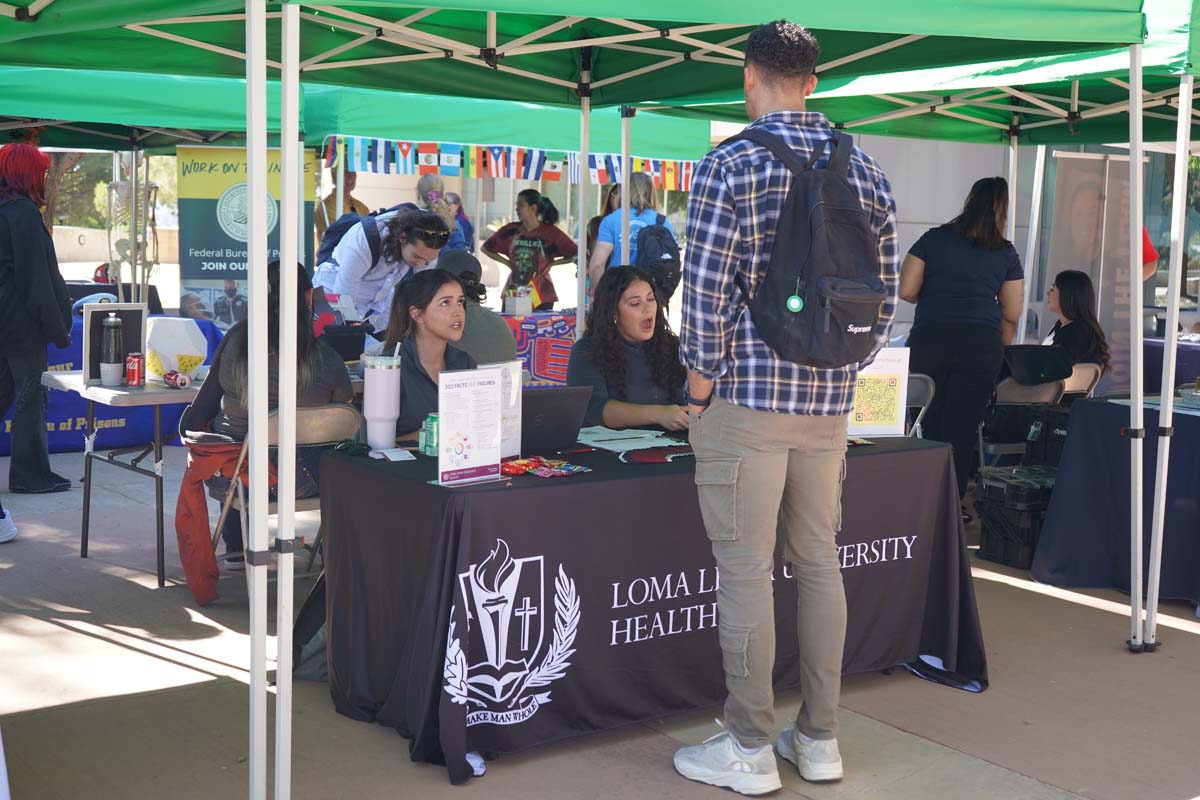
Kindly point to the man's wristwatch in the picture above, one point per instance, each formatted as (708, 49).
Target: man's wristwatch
(705, 403)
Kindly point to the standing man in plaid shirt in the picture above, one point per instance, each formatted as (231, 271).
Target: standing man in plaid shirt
(769, 435)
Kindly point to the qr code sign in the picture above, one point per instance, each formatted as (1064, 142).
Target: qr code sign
(877, 399)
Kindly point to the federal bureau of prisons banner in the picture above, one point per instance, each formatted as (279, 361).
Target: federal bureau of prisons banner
(213, 228)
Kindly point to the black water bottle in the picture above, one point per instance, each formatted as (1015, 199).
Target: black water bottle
(112, 351)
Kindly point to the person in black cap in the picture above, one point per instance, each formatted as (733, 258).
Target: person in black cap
(486, 336)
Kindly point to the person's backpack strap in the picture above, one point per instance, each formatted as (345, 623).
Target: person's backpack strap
(371, 229)
(843, 147)
(842, 144)
(660, 220)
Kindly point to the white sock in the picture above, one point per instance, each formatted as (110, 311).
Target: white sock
(748, 751)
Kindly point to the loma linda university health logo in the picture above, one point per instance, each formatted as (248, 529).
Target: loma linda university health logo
(507, 614)
(233, 212)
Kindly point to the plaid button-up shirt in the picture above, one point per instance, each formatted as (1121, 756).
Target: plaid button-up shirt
(737, 196)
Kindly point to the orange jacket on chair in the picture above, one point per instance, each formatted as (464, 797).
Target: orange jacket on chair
(192, 530)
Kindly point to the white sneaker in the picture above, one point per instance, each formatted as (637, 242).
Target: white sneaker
(817, 759)
(720, 761)
(8, 530)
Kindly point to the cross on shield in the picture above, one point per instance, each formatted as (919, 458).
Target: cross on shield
(505, 603)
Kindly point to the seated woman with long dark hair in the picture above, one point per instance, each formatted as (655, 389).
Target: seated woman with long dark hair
(428, 315)
(630, 357)
(321, 379)
(1073, 298)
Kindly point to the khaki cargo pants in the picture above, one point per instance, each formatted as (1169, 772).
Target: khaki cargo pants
(760, 476)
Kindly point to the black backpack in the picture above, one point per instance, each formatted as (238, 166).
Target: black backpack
(658, 254)
(338, 228)
(819, 302)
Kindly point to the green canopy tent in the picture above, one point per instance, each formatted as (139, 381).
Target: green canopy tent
(110, 110)
(535, 50)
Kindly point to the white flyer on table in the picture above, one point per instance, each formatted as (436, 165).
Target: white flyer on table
(881, 395)
(469, 440)
(510, 406)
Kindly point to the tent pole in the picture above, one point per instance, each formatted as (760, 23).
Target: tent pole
(1031, 246)
(135, 278)
(1178, 217)
(341, 178)
(290, 187)
(1136, 412)
(627, 113)
(567, 211)
(256, 250)
(585, 120)
(1010, 224)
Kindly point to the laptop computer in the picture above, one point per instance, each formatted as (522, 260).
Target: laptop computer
(551, 418)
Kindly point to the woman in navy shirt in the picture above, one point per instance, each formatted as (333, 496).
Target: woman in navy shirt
(967, 282)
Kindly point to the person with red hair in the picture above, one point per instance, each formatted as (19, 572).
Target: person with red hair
(35, 311)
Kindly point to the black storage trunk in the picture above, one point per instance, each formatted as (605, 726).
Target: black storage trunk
(1007, 536)
(1011, 503)
(1016, 488)
(1047, 436)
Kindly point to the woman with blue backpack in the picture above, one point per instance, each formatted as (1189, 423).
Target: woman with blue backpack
(645, 223)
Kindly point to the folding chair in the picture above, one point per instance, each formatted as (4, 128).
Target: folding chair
(1011, 393)
(315, 427)
(1083, 380)
(920, 395)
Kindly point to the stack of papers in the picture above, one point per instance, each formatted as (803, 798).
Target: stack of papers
(621, 441)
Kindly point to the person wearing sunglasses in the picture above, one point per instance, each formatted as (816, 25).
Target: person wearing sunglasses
(409, 242)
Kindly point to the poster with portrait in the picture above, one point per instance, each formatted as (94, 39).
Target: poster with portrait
(1090, 233)
(213, 216)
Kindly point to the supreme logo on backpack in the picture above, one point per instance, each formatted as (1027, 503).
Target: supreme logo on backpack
(658, 255)
(820, 299)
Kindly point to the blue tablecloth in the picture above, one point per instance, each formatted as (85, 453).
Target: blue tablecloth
(118, 427)
(1085, 539)
(1187, 364)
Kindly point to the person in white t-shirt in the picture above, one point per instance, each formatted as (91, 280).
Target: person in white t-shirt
(409, 241)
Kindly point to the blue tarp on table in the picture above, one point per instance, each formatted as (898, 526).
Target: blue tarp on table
(118, 427)
(1085, 538)
(1187, 364)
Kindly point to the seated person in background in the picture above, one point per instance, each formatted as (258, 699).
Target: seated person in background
(1073, 298)
(321, 379)
(531, 246)
(428, 313)
(630, 357)
(409, 241)
(486, 336)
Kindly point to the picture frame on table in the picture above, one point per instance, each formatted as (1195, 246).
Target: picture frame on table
(133, 319)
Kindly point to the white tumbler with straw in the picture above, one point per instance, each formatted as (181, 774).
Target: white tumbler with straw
(381, 399)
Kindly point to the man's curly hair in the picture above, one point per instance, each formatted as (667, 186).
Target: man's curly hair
(783, 50)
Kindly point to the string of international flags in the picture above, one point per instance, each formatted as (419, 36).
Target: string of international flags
(389, 157)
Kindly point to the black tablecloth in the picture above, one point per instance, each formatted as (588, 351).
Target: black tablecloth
(600, 588)
(1085, 538)
(1187, 364)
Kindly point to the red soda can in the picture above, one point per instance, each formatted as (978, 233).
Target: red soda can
(135, 369)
